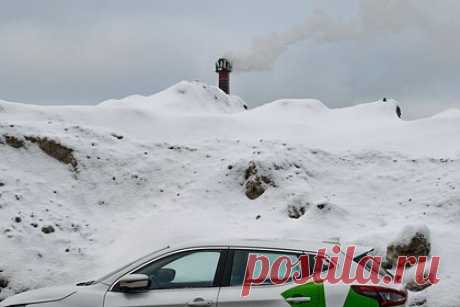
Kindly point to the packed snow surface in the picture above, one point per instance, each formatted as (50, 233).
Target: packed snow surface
(154, 170)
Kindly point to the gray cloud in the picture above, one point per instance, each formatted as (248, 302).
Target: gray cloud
(81, 52)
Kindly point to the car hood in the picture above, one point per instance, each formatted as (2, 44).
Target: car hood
(44, 295)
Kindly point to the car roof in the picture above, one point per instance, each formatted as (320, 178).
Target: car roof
(279, 244)
(286, 244)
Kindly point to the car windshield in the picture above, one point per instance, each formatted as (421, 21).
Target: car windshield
(139, 260)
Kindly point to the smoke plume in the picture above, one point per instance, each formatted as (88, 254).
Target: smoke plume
(374, 18)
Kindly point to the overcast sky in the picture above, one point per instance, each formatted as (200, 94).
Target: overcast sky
(83, 52)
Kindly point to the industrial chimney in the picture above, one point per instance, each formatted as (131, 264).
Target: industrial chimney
(224, 68)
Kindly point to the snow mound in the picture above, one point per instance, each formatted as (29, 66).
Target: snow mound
(187, 97)
(377, 110)
(290, 109)
(315, 110)
(410, 231)
(450, 113)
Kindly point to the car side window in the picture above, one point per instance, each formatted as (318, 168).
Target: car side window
(191, 269)
(240, 258)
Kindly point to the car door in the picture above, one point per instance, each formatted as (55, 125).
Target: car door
(183, 279)
(266, 294)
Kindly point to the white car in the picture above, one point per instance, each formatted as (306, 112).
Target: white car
(206, 275)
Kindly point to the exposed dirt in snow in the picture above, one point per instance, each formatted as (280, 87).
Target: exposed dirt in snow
(55, 150)
(13, 141)
(174, 166)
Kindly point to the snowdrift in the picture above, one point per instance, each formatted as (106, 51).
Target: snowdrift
(78, 183)
(191, 112)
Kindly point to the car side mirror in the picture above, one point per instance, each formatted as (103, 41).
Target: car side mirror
(133, 283)
(164, 275)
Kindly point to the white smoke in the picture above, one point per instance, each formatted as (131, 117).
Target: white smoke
(375, 18)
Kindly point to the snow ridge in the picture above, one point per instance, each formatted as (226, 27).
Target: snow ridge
(172, 166)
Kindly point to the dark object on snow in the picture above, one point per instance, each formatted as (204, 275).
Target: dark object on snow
(295, 212)
(14, 141)
(48, 229)
(254, 187)
(255, 184)
(418, 245)
(117, 136)
(398, 111)
(415, 287)
(321, 206)
(3, 282)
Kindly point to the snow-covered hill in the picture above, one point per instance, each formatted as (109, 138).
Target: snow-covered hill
(84, 188)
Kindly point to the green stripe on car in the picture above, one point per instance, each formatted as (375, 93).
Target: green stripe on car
(315, 291)
(316, 294)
